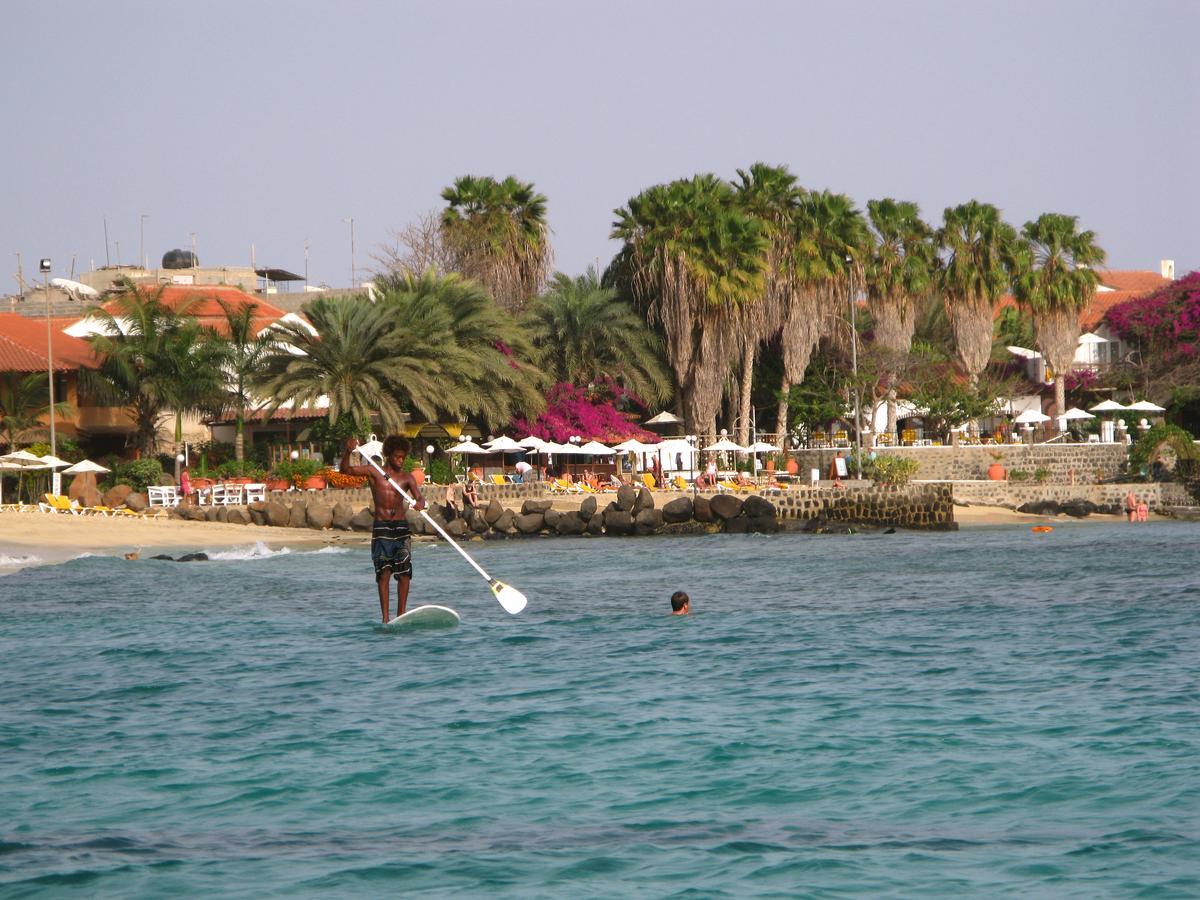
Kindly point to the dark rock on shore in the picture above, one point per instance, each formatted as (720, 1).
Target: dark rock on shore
(725, 506)
(193, 557)
(702, 510)
(678, 510)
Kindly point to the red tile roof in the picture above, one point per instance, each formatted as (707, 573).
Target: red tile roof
(1137, 280)
(23, 345)
(1101, 304)
(200, 301)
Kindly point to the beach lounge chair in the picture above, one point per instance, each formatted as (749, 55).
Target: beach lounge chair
(615, 483)
(648, 480)
(681, 483)
(57, 503)
(499, 479)
(563, 486)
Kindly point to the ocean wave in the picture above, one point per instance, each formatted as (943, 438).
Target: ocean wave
(261, 551)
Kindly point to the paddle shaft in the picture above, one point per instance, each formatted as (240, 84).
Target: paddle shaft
(453, 543)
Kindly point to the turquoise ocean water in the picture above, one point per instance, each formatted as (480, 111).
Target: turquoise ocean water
(988, 712)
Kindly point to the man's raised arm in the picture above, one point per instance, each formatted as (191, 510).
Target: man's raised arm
(346, 469)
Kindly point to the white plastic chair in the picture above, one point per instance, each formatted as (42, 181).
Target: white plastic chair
(256, 493)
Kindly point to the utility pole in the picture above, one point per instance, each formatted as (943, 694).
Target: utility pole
(142, 248)
(353, 265)
(306, 264)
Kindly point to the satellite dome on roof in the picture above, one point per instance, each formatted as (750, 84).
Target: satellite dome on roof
(180, 259)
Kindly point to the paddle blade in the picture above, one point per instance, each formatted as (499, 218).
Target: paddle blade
(510, 598)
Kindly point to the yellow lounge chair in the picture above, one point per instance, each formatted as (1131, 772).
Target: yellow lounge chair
(499, 479)
(681, 483)
(57, 503)
(648, 480)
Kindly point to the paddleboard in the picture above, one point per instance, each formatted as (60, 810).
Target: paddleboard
(426, 617)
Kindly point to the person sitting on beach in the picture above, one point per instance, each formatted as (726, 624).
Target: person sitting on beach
(680, 604)
(470, 495)
(743, 479)
(391, 540)
(451, 507)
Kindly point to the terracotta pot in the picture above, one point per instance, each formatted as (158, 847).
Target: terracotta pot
(278, 484)
(418, 475)
(996, 472)
(793, 467)
(314, 483)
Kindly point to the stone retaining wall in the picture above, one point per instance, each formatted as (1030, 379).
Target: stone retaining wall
(1064, 463)
(1108, 497)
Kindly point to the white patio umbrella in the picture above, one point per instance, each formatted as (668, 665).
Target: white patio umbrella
(1089, 337)
(536, 444)
(1107, 406)
(633, 445)
(505, 444)
(53, 461)
(595, 448)
(1145, 406)
(725, 445)
(1076, 413)
(1031, 417)
(665, 418)
(21, 460)
(467, 446)
(85, 466)
(764, 447)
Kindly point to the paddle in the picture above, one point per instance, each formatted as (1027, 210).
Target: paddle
(510, 598)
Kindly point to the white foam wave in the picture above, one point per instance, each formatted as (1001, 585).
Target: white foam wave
(7, 561)
(332, 549)
(259, 551)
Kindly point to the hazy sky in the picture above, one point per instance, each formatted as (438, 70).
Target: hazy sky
(268, 123)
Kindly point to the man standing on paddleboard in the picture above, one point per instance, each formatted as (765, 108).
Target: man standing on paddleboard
(391, 540)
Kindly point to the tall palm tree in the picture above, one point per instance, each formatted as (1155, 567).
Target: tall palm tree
(24, 404)
(1056, 282)
(772, 195)
(497, 234)
(830, 236)
(143, 347)
(898, 272)
(582, 333)
(192, 378)
(364, 361)
(981, 254)
(245, 355)
(493, 376)
(693, 258)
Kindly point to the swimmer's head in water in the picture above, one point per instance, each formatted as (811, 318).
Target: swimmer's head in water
(678, 601)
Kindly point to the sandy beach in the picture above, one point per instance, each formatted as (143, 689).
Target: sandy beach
(52, 538)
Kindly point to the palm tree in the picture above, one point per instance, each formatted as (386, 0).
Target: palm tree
(496, 233)
(898, 272)
(492, 376)
(981, 250)
(144, 349)
(1055, 283)
(582, 333)
(692, 259)
(24, 404)
(365, 361)
(772, 195)
(190, 365)
(830, 236)
(245, 355)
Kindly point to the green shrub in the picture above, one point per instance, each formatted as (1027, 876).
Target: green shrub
(231, 468)
(139, 474)
(439, 471)
(889, 469)
(293, 468)
(1040, 475)
(1018, 475)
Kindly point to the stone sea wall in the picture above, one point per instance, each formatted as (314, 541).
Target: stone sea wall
(1108, 498)
(1063, 463)
(629, 511)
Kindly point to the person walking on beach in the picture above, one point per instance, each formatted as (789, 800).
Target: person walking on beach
(391, 541)
(681, 605)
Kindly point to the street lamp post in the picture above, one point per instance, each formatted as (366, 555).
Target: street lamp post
(854, 367)
(44, 266)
